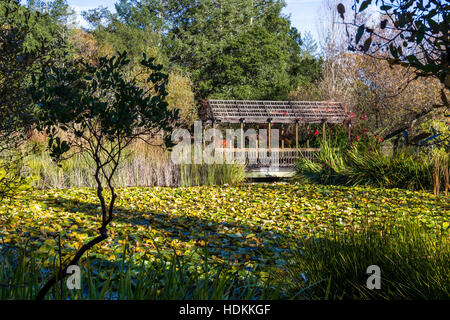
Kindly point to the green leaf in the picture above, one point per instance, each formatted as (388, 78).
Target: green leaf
(364, 5)
(420, 34)
(367, 44)
(341, 10)
(360, 33)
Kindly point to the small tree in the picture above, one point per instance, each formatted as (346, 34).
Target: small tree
(101, 113)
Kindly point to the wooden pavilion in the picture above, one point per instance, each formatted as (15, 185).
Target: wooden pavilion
(270, 113)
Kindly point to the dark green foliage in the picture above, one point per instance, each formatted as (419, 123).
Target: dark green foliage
(27, 46)
(237, 50)
(241, 72)
(100, 101)
(232, 49)
(26, 38)
(101, 112)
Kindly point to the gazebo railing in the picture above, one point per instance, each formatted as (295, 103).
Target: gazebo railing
(265, 157)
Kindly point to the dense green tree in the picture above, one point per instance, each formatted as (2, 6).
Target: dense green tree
(145, 14)
(238, 49)
(115, 33)
(28, 45)
(240, 71)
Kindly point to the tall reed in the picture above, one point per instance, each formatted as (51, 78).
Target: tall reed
(164, 278)
(413, 264)
(137, 169)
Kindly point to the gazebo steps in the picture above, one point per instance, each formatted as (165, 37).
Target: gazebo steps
(269, 172)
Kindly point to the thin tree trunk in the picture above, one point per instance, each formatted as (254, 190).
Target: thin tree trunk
(63, 272)
(107, 217)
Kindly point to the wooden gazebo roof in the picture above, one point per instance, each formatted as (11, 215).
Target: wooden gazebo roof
(235, 111)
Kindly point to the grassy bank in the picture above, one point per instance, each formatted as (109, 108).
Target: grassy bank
(369, 166)
(413, 264)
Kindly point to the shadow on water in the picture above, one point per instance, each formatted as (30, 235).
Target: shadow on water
(225, 239)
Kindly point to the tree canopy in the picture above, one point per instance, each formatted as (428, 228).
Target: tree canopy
(231, 49)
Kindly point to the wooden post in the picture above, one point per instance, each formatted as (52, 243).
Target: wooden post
(296, 135)
(258, 160)
(257, 139)
(242, 150)
(230, 143)
(323, 130)
(349, 129)
(307, 133)
(214, 134)
(242, 134)
(282, 137)
(203, 134)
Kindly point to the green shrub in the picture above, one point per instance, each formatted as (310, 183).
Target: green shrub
(368, 166)
(328, 167)
(403, 170)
